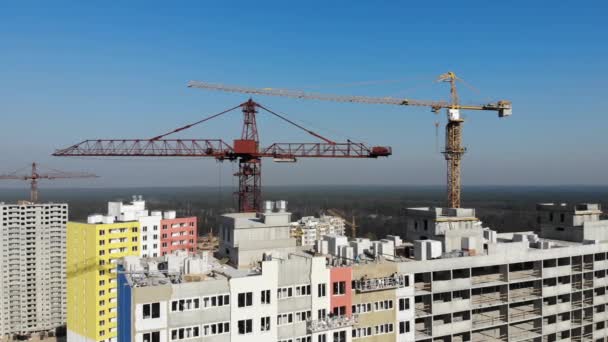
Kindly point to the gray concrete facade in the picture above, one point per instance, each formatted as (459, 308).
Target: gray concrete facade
(32, 264)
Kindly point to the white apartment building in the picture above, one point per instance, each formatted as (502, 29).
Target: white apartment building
(461, 282)
(32, 264)
(309, 228)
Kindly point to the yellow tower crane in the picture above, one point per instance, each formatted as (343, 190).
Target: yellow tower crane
(454, 149)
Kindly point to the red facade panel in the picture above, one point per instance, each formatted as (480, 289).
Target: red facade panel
(178, 234)
(340, 289)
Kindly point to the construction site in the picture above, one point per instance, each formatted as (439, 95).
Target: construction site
(303, 172)
(446, 277)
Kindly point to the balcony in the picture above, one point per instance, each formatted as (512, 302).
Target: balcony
(482, 319)
(600, 333)
(563, 325)
(490, 335)
(601, 281)
(488, 299)
(558, 271)
(549, 309)
(486, 279)
(422, 287)
(523, 275)
(564, 289)
(379, 284)
(600, 264)
(451, 285)
(549, 328)
(564, 307)
(524, 294)
(524, 331)
(331, 323)
(523, 312)
(422, 333)
(422, 309)
(450, 328)
(454, 305)
(599, 316)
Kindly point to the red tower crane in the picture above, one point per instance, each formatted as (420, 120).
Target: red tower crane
(34, 176)
(246, 150)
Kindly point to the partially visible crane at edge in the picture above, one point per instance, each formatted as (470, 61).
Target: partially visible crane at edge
(352, 224)
(246, 150)
(453, 132)
(35, 176)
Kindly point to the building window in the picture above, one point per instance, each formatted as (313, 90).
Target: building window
(340, 336)
(144, 229)
(302, 316)
(245, 326)
(245, 299)
(322, 290)
(152, 337)
(185, 333)
(303, 290)
(151, 310)
(102, 232)
(322, 313)
(322, 338)
(216, 329)
(265, 324)
(283, 319)
(339, 288)
(562, 217)
(404, 304)
(266, 297)
(404, 327)
(340, 311)
(102, 242)
(134, 230)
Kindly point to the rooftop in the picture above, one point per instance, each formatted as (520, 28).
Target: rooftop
(178, 268)
(339, 250)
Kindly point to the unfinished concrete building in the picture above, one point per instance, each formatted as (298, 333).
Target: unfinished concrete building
(32, 263)
(482, 287)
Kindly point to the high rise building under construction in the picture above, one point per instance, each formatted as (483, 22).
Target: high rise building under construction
(32, 263)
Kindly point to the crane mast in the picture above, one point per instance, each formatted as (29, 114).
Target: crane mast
(454, 149)
(453, 143)
(250, 167)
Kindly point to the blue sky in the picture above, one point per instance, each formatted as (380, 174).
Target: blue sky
(76, 70)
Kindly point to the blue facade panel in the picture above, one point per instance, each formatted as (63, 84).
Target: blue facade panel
(124, 307)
